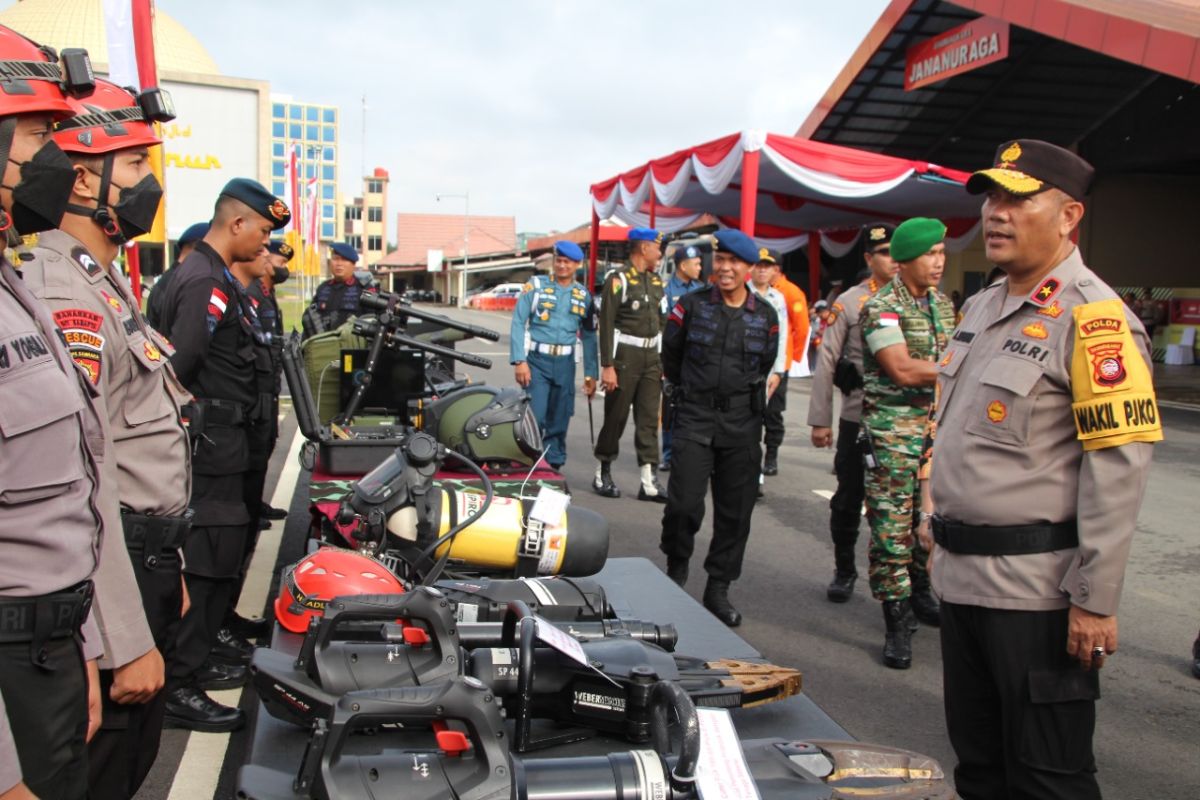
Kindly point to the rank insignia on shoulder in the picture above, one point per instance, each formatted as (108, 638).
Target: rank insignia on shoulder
(1054, 310)
(152, 352)
(1036, 330)
(1044, 293)
(85, 260)
(997, 412)
(112, 301)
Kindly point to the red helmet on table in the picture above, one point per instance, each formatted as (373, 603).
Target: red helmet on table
(310, 583)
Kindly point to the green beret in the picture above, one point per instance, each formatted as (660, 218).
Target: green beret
(916, 237)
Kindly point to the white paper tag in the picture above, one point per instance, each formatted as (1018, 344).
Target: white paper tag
(550, 506)
(560, 641)
(721, 773)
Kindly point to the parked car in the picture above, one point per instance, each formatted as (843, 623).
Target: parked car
(500, 290)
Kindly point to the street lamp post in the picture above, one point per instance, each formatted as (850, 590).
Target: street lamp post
(462, 291)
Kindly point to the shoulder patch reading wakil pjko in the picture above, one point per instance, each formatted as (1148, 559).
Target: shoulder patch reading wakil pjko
(1110, 380)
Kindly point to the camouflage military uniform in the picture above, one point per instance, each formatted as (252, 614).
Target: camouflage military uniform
(895, 418)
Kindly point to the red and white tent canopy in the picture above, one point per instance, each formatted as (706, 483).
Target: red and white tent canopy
(779, 189)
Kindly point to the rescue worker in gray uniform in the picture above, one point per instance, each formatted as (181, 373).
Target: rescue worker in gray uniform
(52, 532)
(840, 364)
(148, 461)
(1045, 428)
(630, 326)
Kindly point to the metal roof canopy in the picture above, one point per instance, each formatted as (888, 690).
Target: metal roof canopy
(1112, 84)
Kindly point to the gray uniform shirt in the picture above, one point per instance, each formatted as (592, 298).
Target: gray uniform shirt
(107, 336)
(843, 337)
(50, 524)
(1007, 451)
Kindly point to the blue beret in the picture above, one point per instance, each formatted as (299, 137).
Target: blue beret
(194, 233)
(281, 248)
(568, 250)
(644, 235)
(345, 251)
(255, 195)
(687, 253)
(736, 243)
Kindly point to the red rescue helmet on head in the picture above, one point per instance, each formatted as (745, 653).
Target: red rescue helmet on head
(112, 118)
(310, 583)
(34, 81)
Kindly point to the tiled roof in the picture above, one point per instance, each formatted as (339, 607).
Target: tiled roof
(416, 234)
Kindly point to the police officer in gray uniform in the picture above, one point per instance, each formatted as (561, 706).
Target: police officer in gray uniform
(840, 364)
(148, 463)
(51, 527)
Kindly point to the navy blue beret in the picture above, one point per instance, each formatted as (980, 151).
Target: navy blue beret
(255, 195)
(644, 235)
(737, 244)
(194, 233)
(687, 253)
(281, 248)
(568, 250)
(345, 251)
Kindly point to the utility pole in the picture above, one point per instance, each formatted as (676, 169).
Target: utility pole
(462, 285)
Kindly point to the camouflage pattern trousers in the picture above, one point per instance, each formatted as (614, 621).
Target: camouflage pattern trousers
(896, 559)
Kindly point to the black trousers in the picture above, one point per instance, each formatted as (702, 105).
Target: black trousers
(773, 416)
(732, 473)
(845, 506)
(262, 437)
(122, 752)
(1020, 711)
(47, 713)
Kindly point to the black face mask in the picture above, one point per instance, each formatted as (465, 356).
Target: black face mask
(279, 274)
(40, 198)
(137, 207)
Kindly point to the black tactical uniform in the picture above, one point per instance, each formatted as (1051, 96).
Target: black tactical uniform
(221, 360)
(334, 302)
(717, 359)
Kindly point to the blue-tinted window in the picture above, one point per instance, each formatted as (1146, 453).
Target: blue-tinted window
(277, 188)
(294, 111)
(277, 149)
(312, 114)
(310, 170)
(327, 172)
(329, 134)
(331, 154)
(277, 129)
(329, 115)
(312, 132)
(327, 192)
(326, 230)
(327, 210)
(278, 111)
(277, 169)
(294, 130)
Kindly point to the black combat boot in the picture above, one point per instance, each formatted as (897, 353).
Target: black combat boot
(229, 648)
(191, 709)
(897, 644)
(716, 600)
(924, 605)
(677, 570)
(771, 462)
(603, 482)
(844, 574)
(248, 628)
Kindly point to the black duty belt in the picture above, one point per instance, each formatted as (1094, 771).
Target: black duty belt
(39, 619)
(717, 401)
(155, 537)
(1004, 540)
(223, 412)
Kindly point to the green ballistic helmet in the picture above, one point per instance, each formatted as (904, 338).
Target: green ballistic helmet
(486, 424)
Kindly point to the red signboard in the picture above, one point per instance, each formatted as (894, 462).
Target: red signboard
(1185, 311)
(958, 50)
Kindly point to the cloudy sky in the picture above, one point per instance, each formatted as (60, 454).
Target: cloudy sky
(525, 103)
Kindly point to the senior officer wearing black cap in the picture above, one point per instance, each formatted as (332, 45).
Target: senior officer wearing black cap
(630, 327)
(187, 243)
(219, 354)
(1045, 424)
(336, 300)
(718, 350)
(840, 364)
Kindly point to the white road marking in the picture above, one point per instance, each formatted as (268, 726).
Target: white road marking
(200, 767)
(828, 495)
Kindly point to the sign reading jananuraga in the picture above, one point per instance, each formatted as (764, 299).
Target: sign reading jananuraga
(956, 51)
